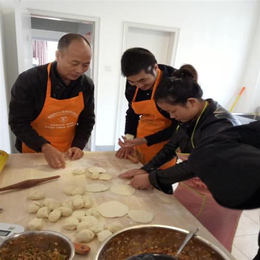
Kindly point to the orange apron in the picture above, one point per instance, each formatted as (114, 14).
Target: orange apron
(196, 197)
(151, 122)
(57, 120)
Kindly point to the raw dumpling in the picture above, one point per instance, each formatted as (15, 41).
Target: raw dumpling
(33, 207)
(98, 228)
(55, 215)
(65, 211)
(87, 202)
(71, 223)
(104, 234)
(80, 190)
(35, 224)
(90, 219)
(78, 202)
(85, 236)
(114, 226)
(54, 204)
(78, 214)
(43, 212)
(95, 176)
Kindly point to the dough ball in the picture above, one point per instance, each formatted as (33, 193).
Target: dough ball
(105, 177)
(90, 219)
(95, 176)
(54, 204)
(78, 214)
(71, 223)
(87, 202)
(83, 225)
(78, 171)
(112, 209)
(65, 211)
(33, 207)
(98, 228)
(140, 216)
(85, 236)
(122, 189)
(67, 203)
(78, 202)
(96, 187)
(114, 226)
(80, 190)
(35, 224)
(93, 212)
(96, 169)
(104, 234)
(55, 215)
(68, 190)
(47, 201)
(36, 195)
(43, 212)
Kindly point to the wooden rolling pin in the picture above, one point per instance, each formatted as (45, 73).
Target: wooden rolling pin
(28, 183)
(132, 159)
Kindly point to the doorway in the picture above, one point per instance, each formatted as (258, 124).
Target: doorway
(161, 41)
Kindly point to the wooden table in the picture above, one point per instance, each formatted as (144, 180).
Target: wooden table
(166, 209)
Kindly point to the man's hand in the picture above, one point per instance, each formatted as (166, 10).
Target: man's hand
(141, 182)
(132, 173)
(123, 153)
(131, 143)
(75, 153)
(53, 157)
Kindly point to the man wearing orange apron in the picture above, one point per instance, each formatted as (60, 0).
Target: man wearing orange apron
(145, 121)
(52, 105)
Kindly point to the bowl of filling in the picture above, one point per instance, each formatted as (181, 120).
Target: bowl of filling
(132, 242)
(37, 245)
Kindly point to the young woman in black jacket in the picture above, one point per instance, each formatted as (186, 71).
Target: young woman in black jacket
(198, 119)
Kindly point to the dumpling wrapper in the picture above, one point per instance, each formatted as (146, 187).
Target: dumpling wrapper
(140, 216)
(122, 189)
(96, 187)
(113, 209)
(105, 177)
(96, 169)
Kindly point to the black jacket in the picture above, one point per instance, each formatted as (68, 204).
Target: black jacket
(214, 119)
(132, 118)
(27, 100)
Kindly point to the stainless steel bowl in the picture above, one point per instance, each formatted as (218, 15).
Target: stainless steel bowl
(156, 239)
(43, 240)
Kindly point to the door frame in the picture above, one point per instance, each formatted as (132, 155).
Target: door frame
(172, 50)
(96, 25)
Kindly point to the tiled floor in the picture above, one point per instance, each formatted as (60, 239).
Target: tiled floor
(245, 242)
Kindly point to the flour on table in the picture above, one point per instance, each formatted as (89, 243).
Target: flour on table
(96, 187)
(96, 169)
(140, 216)
(112, 209)
(122, 189)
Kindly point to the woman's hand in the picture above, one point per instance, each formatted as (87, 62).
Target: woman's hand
(141, 182)
(123, 153)
(132, 173)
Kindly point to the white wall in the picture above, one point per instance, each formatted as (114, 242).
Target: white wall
(215, 36)
(4, 133)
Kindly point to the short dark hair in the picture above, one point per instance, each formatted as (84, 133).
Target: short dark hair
(68, 38)
(135, 60)
(178, 89)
